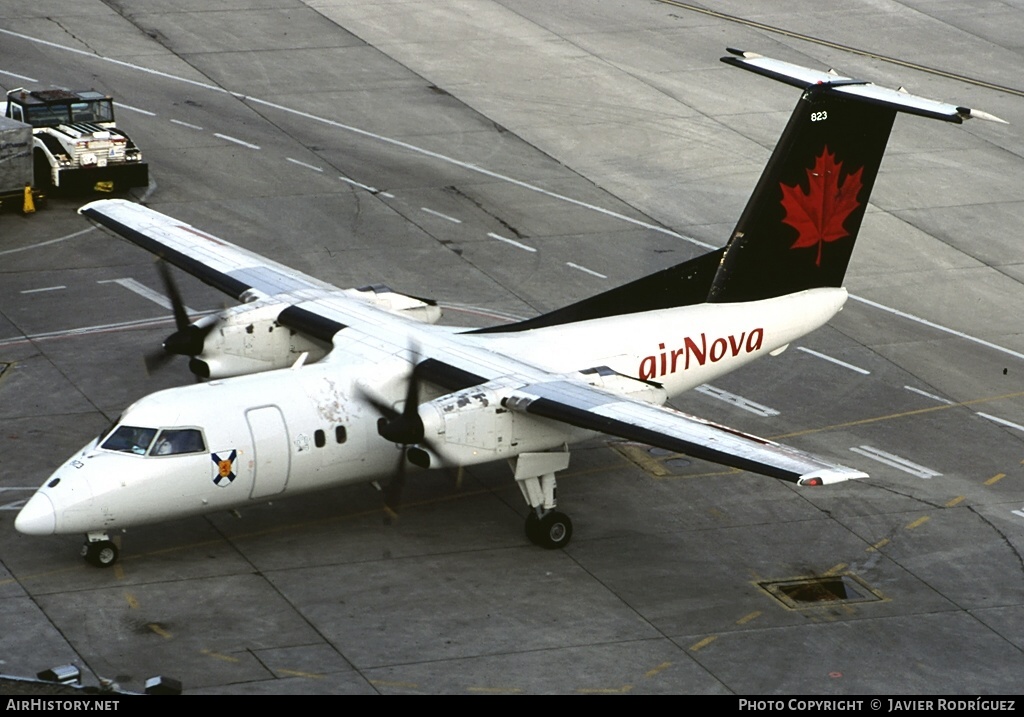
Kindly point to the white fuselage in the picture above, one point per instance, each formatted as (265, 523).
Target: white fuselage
(310, 427)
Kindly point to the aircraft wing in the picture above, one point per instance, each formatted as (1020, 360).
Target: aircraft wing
(242, 274)
(224, 266)
(322, 310)
(591, 408)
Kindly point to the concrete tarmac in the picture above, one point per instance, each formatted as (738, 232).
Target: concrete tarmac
(401, 143)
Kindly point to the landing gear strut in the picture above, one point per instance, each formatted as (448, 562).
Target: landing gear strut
(99, 550)
(535, 474)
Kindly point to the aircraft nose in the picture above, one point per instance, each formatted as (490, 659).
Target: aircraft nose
(37, 517)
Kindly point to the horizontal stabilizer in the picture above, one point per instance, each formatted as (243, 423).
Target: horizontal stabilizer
(899, 100)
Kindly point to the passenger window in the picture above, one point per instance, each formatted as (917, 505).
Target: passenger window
(130, 439)
(340, 435)
(178, 441)
(319, 438)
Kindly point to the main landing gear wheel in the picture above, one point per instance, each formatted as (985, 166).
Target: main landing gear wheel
(552, 531)
(102, 553)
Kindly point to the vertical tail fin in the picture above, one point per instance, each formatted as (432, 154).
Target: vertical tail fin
(798, 229)
(800, 224)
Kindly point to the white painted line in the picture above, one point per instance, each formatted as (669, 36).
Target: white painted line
(186, 124)
(465, 165)
(145, 292)
(236, 140)
(939, 327)
(17, 76)
(354, 183)
(122, 105)
(47, 243)
(430, 211)
(98, 329)
(303, 164)
(738, 401)
(585, 269)
(513, 242)
(362, 132)
(1002, 421)
(18, 487)
(45, 288)
(1018, 512)
(17, 504)
(932, 396)
(836, 361)
(896, 462)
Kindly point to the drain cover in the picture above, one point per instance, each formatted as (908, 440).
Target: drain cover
(820, 591)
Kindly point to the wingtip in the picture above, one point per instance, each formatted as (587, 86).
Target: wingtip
(828, 476)
(99, 203)
(743, 53)
(968, 113)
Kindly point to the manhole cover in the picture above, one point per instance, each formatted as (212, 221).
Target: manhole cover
(820, 591)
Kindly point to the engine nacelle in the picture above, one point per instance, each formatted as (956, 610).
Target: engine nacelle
(383, 297)
(491, 421)
(248, 339)
(471, 426)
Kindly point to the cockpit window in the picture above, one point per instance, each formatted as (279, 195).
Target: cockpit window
(108, 430)
(140, 441)
(175, 441)
(130, 439)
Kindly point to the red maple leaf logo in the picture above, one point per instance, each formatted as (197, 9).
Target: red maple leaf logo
(818, 215)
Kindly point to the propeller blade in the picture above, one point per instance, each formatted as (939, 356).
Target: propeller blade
(379, 405)
(188, 339)
(412, 396)
(404, 428)
(171, 289)
(156, 360)
(393, 493)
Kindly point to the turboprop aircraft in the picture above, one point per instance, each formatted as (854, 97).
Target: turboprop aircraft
(309, 386)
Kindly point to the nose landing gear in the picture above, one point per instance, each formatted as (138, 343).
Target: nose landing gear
(99, 550)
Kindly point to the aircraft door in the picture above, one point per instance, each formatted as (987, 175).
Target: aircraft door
(272, 460)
